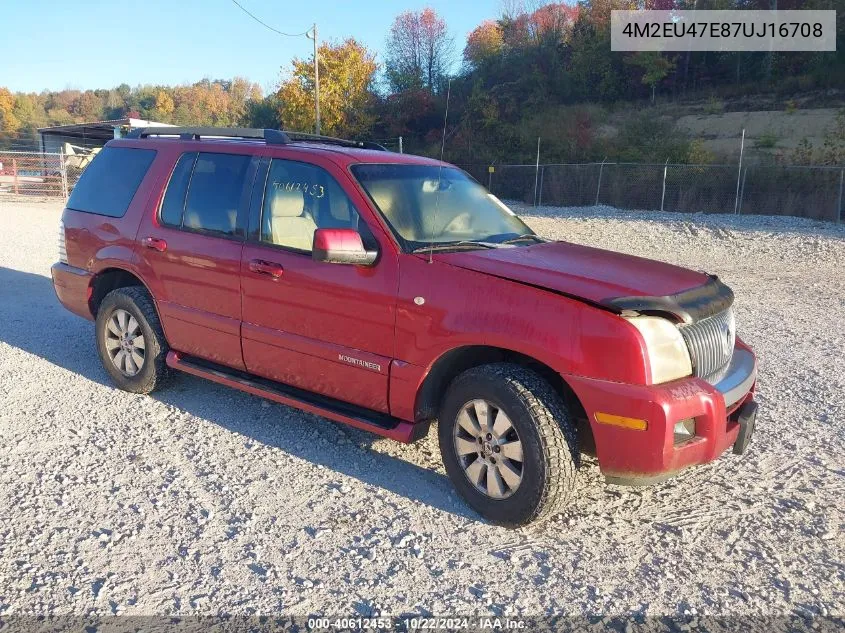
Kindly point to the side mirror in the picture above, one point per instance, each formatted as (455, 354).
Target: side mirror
(341, 246)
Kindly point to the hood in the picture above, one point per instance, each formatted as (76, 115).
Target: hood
(592, 274)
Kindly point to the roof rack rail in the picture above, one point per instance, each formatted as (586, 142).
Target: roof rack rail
(269, 136)
(275, 137)
(317, 138)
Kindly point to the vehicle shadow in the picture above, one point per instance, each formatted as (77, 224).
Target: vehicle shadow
(31, 319)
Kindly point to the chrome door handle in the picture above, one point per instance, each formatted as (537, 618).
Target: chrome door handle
(155, 243)
(261, 267)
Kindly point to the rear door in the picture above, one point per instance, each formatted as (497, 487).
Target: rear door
(191, 244)
(326, 328)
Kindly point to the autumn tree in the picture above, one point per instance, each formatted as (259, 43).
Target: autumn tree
(418, 51)
(90, 106)
(347, 71)
(241, 93)
(164, 107)
(483, 43)
(9, 123)
(552, 22)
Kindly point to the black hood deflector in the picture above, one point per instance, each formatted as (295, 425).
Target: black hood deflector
(687, 306)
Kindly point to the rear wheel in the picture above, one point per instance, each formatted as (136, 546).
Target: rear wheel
(130, 340)
(508, 444)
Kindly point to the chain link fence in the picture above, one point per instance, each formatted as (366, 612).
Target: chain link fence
(806, 192)
(38, 174)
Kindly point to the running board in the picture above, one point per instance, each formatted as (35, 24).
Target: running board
(337, 410)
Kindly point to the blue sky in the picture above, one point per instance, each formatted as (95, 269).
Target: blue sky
(84, 44)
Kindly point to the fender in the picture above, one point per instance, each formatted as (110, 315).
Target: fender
(479, 309)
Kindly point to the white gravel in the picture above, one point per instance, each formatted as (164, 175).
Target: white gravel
(202, 499)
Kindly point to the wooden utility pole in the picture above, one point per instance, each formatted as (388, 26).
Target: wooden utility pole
(313, 36)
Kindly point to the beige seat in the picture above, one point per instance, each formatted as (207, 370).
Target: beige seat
(387, 197)
(290, 224)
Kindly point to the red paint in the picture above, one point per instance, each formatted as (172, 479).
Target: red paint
(625, 452)
(266, 268)
(369, 335)
(155, 244)
(338, 240)
(582, 271)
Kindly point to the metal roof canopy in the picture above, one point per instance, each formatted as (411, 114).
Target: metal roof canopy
(96, 130)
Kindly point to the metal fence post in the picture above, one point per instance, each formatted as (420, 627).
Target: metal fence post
(742, 191)
(739, 171)
(537, 171)
(63, 172)
(839, 203)
(598, 188)
(540, 193)
(663, 195)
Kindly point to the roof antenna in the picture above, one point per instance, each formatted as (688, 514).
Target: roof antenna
(439, 171)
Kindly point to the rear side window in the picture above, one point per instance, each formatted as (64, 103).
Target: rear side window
(109, 183)
(204, 192)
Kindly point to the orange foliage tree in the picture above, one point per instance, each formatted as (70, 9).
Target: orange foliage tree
(483, 43)
(347, 71)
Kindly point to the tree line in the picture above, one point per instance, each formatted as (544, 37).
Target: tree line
(538, 69)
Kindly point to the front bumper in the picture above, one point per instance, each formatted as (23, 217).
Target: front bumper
(73, 288)
(638, 457)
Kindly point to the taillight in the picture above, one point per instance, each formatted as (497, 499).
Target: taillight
(62, 249)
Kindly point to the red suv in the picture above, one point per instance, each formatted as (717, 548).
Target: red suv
(389, 291)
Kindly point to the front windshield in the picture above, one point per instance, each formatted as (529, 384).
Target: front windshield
(426, 204)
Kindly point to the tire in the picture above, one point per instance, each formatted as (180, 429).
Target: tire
(152, 372)
(540, 423)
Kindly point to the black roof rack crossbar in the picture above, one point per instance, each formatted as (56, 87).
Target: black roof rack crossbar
(275, 137)
(269, 136)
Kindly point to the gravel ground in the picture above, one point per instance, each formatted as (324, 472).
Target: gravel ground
(201, 499)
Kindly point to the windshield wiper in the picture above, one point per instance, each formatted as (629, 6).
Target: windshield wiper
(439, 246)
(519, 238)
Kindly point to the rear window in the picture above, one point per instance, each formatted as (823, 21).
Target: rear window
(109, 183)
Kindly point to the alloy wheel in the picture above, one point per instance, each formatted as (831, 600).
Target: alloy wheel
(489, 449)
(124, 342)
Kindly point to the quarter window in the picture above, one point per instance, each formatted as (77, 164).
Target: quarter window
(300, 198)
(109, 183)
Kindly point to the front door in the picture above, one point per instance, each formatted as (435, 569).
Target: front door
(326, 328)
(190, 247)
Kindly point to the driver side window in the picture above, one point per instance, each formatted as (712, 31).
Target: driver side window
(300, 198)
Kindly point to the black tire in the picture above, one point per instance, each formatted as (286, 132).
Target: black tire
(139, 304)
(545, 429)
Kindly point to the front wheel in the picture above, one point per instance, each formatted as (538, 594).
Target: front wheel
(508, 444)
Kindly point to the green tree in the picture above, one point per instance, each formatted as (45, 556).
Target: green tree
(655, 68)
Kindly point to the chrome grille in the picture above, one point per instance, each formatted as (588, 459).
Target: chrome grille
(710, 343)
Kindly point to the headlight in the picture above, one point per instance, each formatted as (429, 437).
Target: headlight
(668, 356)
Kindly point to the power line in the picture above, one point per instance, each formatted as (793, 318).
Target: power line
(311, 34)
(267, 26)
